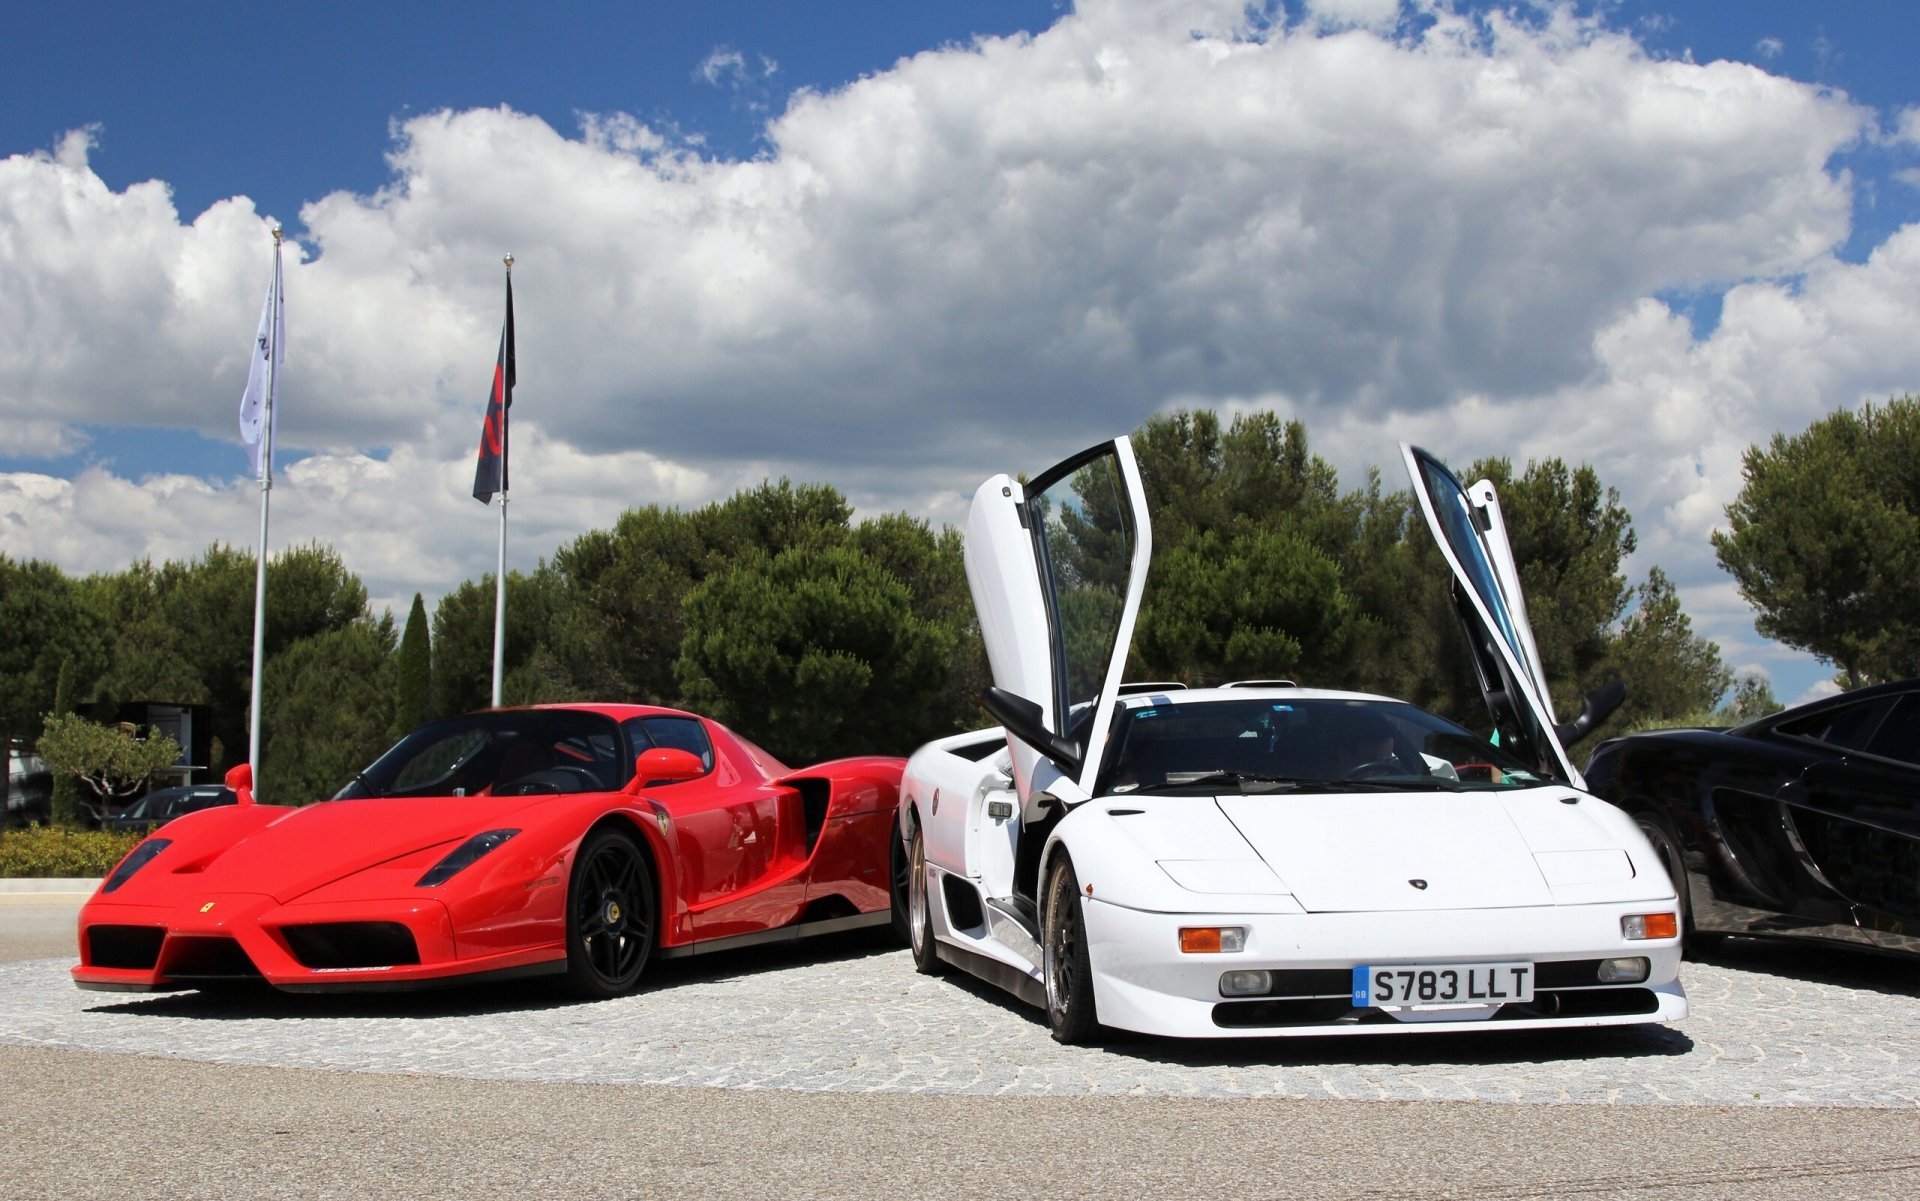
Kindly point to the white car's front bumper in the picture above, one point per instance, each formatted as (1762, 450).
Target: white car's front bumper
(1144, 982)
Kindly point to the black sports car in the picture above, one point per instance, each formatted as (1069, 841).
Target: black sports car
(1804, 824)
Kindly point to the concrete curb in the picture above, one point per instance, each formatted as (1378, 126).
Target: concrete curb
(46, 890)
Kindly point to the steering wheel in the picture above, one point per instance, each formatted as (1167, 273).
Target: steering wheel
(1373, 768)
(562, 778)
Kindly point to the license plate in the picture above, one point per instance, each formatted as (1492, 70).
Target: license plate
(1442, 984)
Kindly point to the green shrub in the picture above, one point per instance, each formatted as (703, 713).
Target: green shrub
(40, 851)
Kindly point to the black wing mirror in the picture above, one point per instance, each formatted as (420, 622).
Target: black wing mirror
(1021, 717)
(1596, 708)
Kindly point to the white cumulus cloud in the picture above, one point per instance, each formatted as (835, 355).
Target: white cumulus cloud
(1467, 232)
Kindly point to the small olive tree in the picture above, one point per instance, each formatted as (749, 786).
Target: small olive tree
(113, 763)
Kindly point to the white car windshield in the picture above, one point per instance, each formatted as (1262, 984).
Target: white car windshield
(1265, 744)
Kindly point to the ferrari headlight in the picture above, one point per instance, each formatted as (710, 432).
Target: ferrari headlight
(464, 856)
(136, 859)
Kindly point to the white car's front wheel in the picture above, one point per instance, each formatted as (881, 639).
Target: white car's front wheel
(1065, 963)
(926, 960)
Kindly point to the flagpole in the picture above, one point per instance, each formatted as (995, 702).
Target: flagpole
(500, 568)
(266, 491)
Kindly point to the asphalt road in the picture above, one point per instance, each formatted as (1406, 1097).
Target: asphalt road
(80, 1123)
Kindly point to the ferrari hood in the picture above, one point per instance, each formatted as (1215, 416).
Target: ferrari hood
(1412, 851)
(318, 844)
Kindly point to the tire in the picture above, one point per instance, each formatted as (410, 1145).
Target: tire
(1667, 846)
(1065, 965)
(611, 910)
(919, 910)
(897, 890)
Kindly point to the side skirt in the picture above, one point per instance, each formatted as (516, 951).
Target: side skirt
(1003, 976)
(832, 925)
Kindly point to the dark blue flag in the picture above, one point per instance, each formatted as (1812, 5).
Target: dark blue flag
(490, 474)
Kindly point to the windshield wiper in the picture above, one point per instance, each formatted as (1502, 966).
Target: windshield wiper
(1185, 779)
(1292, 784)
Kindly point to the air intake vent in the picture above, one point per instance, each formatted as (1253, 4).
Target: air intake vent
(352, 944)
(129, 947)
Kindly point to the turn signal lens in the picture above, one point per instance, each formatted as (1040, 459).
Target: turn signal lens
(1245, 984)
(1624, 971)
(1212, 940)
(1650, 925)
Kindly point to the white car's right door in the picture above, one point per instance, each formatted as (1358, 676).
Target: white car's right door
(1471, 536)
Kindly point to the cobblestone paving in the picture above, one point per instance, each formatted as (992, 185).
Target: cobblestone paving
(1829, 1030)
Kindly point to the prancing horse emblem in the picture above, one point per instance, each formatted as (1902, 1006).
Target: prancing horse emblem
(206, 906)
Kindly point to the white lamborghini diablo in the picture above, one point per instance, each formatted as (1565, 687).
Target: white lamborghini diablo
(1264, 859)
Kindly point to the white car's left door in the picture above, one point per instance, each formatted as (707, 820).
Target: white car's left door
(1057, 567)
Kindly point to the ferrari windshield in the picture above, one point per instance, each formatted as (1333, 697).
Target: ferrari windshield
(510, 752)
(1263, 744)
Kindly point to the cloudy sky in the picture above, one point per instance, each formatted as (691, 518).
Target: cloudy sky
(898, 247)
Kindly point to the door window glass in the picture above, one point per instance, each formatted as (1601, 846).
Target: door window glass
(1899, 735)
(1850, 727)
(675, 733)
(1083, 531)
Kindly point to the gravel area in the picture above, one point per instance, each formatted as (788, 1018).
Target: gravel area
(1829, 1030)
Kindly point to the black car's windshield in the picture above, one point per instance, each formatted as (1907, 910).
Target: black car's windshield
(522, 752)
(1267, 745)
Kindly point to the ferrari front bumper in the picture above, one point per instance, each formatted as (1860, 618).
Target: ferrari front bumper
(240, 938)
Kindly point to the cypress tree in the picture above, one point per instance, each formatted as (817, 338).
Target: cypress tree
(413, 681)
(66, 789)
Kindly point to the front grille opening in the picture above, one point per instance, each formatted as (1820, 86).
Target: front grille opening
(1339, 1011)
(194, 958)
(352, 944)
(1584, 1003)
(128, 947)
(1323, 1011)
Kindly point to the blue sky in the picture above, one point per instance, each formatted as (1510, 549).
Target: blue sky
(753, 241)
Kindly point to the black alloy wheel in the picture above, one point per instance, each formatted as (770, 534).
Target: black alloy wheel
(1065, 964)
(610, 915)
(926, 958)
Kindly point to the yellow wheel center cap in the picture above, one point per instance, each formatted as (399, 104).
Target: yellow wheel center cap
(613, 912)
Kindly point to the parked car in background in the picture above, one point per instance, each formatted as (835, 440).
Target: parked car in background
(162, 805)
(1802, 824)
(29, 795)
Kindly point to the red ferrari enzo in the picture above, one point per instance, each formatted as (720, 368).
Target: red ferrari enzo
(578, 839)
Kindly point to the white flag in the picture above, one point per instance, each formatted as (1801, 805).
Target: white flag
(257, 418)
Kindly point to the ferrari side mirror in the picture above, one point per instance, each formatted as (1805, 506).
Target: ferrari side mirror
(1596, 708)
(664, 765)
(240, 781)
(1021, 717)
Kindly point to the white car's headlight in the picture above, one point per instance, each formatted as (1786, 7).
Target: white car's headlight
(1242, 876)
(1570, 869)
